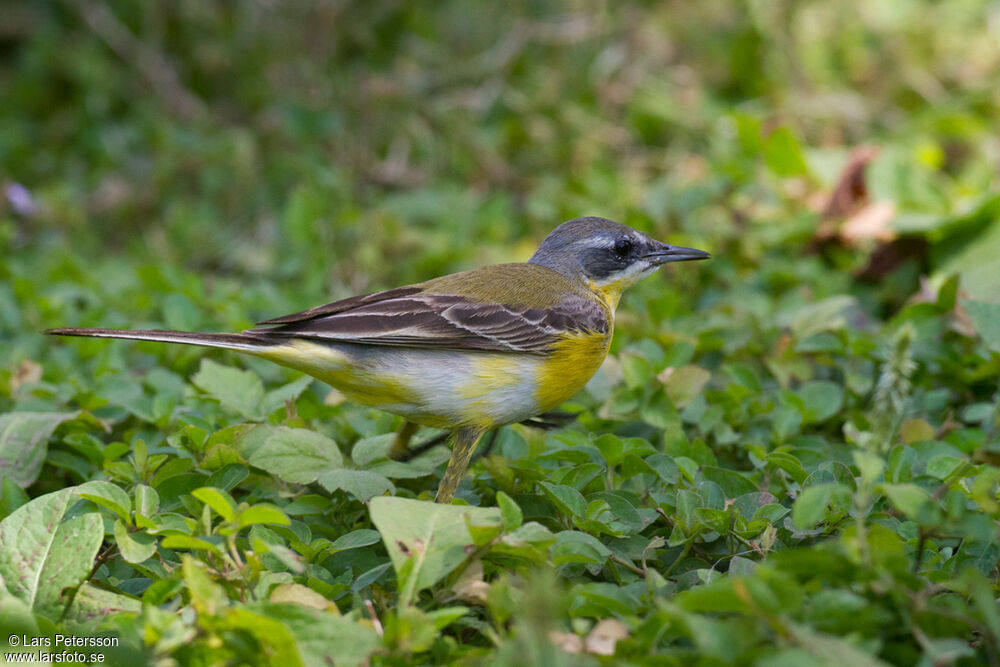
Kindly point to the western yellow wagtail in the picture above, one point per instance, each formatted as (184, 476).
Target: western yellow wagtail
(467, 352)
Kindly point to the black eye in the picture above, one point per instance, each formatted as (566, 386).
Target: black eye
(623, 246)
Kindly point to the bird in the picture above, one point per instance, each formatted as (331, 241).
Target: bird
(466, 352)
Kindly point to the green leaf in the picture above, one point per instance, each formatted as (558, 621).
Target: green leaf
(218, 500)
(811, 505)
(24, 438)
(295, 455)
(192, 543)
(426, 541)
(913, 501)
(445, 616)
(12, 496)
(567, 500)
(261, 513)
(240, 391)
(275, 399)
(15, 618)
(573, 546)
(323, 638)
(821, 399)
(92, 606)
(512, 515)
(147, 504)
(108, 495)
(43, 551)
(147, 500)
(986, 319)
(683, 383)
(355, 539)
(783, 155)
(134, 547)
(273, 636)
(362, 484)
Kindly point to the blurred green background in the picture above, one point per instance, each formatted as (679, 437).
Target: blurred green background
(205, 164)
(321, 149)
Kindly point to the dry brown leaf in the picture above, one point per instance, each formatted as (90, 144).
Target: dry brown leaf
(604, 636)
(870, 222)
(28, 372)
(470, 587)
(567, 641)
(851, 189)
(301, 595)
(334, 398)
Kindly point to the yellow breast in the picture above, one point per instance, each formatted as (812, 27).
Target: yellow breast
(573, 362)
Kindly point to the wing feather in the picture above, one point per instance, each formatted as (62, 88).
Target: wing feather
(413, 318)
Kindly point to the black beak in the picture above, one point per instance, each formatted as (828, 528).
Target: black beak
(675, 253)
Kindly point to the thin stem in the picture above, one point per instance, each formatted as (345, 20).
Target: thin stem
(682, 556)
(628, 564)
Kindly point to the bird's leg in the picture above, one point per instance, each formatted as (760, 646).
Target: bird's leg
(400, 450)
(465, 442)
(550, 420)
(413, 452)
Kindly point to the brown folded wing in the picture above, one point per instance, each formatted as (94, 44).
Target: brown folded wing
(410, 317)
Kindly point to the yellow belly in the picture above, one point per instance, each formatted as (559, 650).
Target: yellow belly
(450, 389)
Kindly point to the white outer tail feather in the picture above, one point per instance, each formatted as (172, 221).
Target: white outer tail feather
(226, 341)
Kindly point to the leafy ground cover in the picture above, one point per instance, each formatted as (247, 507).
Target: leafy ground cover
(791, 456)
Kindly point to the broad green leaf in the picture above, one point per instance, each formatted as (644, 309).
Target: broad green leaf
(295, 455)
(147, 504)
(43, 551)
(273, 636)
(194, 543)
(362, 484)
(218, 500)
(986, 319)
(240, 391)
(355, 539)
(824, 315)
(567, 500)
(445, 616)
(12, 496)
(512, 515)
(108, 495)
(425, 540)
(92, 606)
(717, 597)
(134, 547)
(261, 513)
(323, 638)
(811, 505)
(913, 501)
(15, 618)
(24, 438)
(207, 597)
(573, 546)
(821, 399)
(783, 155)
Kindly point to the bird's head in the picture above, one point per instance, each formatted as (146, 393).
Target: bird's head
(607, 255)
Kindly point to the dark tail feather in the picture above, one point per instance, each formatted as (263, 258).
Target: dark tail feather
(229, 341)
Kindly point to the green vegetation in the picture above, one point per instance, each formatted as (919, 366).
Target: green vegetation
(791, 456)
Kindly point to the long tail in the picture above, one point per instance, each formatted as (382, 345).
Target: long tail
(230, 341)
